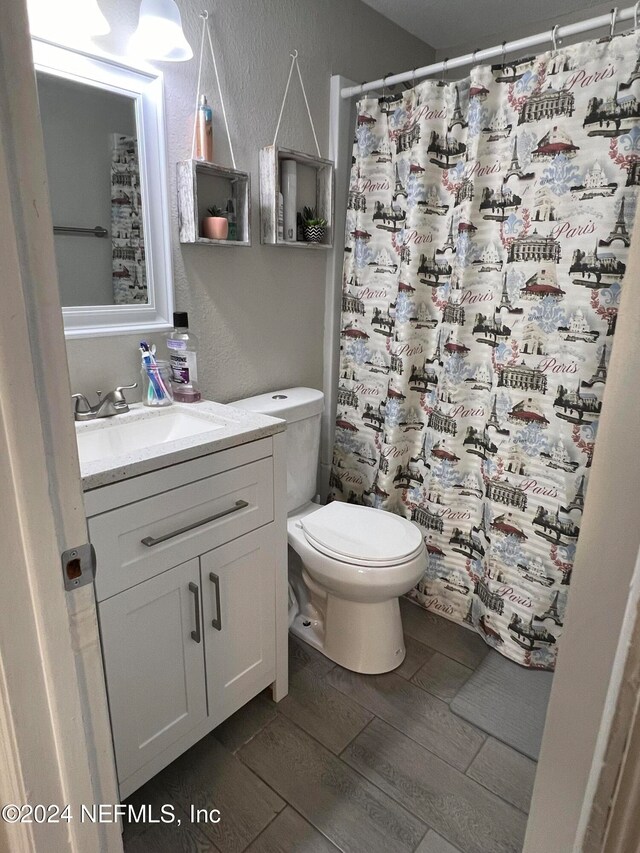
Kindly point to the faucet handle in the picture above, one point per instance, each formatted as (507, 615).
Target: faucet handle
(81, 404)
(118, 399)
(122, 388)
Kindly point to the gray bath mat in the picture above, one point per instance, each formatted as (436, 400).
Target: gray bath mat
(508, 701)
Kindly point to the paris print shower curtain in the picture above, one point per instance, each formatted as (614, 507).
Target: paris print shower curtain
(129, 269)
(487, 233)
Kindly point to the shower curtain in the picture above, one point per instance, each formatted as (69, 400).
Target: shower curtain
(129, 269)
(488, 227)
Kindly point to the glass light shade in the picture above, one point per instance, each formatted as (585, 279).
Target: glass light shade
(159, 34)
(66, 20)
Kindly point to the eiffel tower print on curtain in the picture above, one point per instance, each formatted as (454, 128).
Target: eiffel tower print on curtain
(619, 231)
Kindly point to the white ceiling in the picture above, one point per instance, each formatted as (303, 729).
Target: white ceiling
(447, 23)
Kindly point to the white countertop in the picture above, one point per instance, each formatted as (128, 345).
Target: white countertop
(230, 428)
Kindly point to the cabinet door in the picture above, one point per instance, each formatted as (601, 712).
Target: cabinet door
(154, 664)
(238, 603)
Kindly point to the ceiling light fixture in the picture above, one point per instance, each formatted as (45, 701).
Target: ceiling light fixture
(159, 35)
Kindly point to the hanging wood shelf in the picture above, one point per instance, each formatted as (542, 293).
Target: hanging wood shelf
(270, 158)
(201, 185)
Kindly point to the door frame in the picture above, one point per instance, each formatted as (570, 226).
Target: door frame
(613, 822)
(55, 737)
(341, 117)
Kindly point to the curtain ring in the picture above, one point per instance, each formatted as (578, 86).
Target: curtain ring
(635, 15)
(504, 52)
(413, 75)
(554, 41)
(614, 15)
(473, 55)
(384, 84)
(445, 62)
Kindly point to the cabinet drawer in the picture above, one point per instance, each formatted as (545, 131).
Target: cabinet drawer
(179, 524)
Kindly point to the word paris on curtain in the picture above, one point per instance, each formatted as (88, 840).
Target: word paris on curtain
(488, 227)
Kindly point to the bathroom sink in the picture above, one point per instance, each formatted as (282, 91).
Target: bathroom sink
(140, 430)
(145, 439)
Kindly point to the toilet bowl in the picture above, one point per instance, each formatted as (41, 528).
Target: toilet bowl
(348, 564)
(355, 562)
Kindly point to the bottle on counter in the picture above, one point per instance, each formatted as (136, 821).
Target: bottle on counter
(289, 193)
(204, 131)
(232, 220)
(183, 357)
(280, 218)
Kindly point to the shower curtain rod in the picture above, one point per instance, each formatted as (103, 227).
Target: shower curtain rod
(630, 13)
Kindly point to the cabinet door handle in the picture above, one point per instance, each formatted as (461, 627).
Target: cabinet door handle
(149, 541)
(217, 622)
(193, 587)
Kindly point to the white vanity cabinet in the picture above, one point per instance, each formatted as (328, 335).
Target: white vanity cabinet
(191, 591)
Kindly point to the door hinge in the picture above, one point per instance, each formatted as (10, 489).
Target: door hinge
(78, 566)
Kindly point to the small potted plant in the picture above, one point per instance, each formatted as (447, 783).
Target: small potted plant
(314, 227)
(216, 225)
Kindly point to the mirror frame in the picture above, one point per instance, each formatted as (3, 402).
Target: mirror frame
(145, 88)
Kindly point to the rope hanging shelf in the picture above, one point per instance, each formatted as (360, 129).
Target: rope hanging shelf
(271, 157)
(201, 184)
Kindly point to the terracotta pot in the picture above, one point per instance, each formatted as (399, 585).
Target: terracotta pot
(215, 227)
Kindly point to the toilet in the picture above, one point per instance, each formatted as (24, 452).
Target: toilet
(348, 564)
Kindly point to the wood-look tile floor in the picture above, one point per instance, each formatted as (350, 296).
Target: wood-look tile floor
(362, 764)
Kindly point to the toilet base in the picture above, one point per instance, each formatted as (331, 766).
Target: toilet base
(361, 637)
(309, 630)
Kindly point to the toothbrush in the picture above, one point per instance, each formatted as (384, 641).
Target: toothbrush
(157, 387)
(161, 381)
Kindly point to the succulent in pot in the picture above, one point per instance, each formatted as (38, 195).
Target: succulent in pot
(216, 225)
(314, 227)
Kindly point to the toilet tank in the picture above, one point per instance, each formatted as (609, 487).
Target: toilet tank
(301, 408)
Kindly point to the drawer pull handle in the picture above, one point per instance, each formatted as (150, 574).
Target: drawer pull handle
(217, 622)
(149, 541)
(196, 635)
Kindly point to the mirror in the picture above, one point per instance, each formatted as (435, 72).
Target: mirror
(103, 129)
(91, 151)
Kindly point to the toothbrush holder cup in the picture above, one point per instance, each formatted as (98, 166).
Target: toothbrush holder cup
(157, 392)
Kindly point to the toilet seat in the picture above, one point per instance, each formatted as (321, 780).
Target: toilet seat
(361, 535)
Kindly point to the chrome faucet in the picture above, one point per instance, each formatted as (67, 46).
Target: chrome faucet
(113, 403)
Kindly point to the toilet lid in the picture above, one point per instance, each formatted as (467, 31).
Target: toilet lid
(361, 534)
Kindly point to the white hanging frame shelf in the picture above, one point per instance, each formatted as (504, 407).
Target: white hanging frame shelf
(270, 158)
(193, 176)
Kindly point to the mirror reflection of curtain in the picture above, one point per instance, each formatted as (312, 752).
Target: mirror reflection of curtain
(488, 228)
(129, 268)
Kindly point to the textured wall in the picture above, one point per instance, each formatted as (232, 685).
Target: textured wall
(514, 29)
(258, 312)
